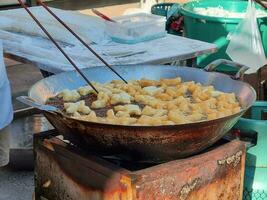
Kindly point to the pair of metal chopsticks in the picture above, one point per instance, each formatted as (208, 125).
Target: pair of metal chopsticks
(73, 33)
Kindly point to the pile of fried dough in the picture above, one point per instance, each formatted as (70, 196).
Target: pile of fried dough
(150, 102)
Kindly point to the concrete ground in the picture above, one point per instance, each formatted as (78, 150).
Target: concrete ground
(16, 185)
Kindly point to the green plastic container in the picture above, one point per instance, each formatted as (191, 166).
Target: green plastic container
(171, 12)
(161, 9)
(255, 183)
(216, 29)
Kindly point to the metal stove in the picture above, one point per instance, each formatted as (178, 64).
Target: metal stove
(64, 171)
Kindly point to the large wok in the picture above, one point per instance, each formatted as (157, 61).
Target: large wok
(144, 143)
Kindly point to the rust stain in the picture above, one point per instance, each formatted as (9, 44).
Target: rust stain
(187, 188)
(127, 182)
(48, 145)
(47, 184)
(234, 159)
(119, 189)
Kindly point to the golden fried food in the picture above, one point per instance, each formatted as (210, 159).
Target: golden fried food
(131, 109)
(69, 95)
(102, 100)
(149, 111)
(91, 117)
(79, 106)
(122, 120)
(174, 81)
(152, 121)
(146, 82)
(120, 98)
(152, 90)
(149, 102)
(85, 90)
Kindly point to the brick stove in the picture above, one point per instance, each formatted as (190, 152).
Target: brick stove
(65, 172)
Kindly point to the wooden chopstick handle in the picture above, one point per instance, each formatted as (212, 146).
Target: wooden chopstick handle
(102, 15)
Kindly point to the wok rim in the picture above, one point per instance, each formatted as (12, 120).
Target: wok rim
(240, 113)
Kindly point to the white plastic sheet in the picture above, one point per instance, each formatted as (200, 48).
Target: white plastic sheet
(159, 51)
(90, 28)
(245, 44)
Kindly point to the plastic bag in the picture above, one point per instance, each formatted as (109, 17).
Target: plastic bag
(245, 44)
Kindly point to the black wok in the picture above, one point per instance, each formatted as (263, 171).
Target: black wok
(143, 143)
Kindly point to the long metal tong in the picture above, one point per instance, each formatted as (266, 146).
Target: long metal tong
(74, 34)
(80, 39)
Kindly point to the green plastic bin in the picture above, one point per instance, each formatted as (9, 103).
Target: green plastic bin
(171, 12)
(161, 9)
(216, 29)
(255, 181)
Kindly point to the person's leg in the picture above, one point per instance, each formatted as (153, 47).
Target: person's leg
(4, 146)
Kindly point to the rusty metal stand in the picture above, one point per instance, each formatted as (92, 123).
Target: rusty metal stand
(260, 84)
(64, 172)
